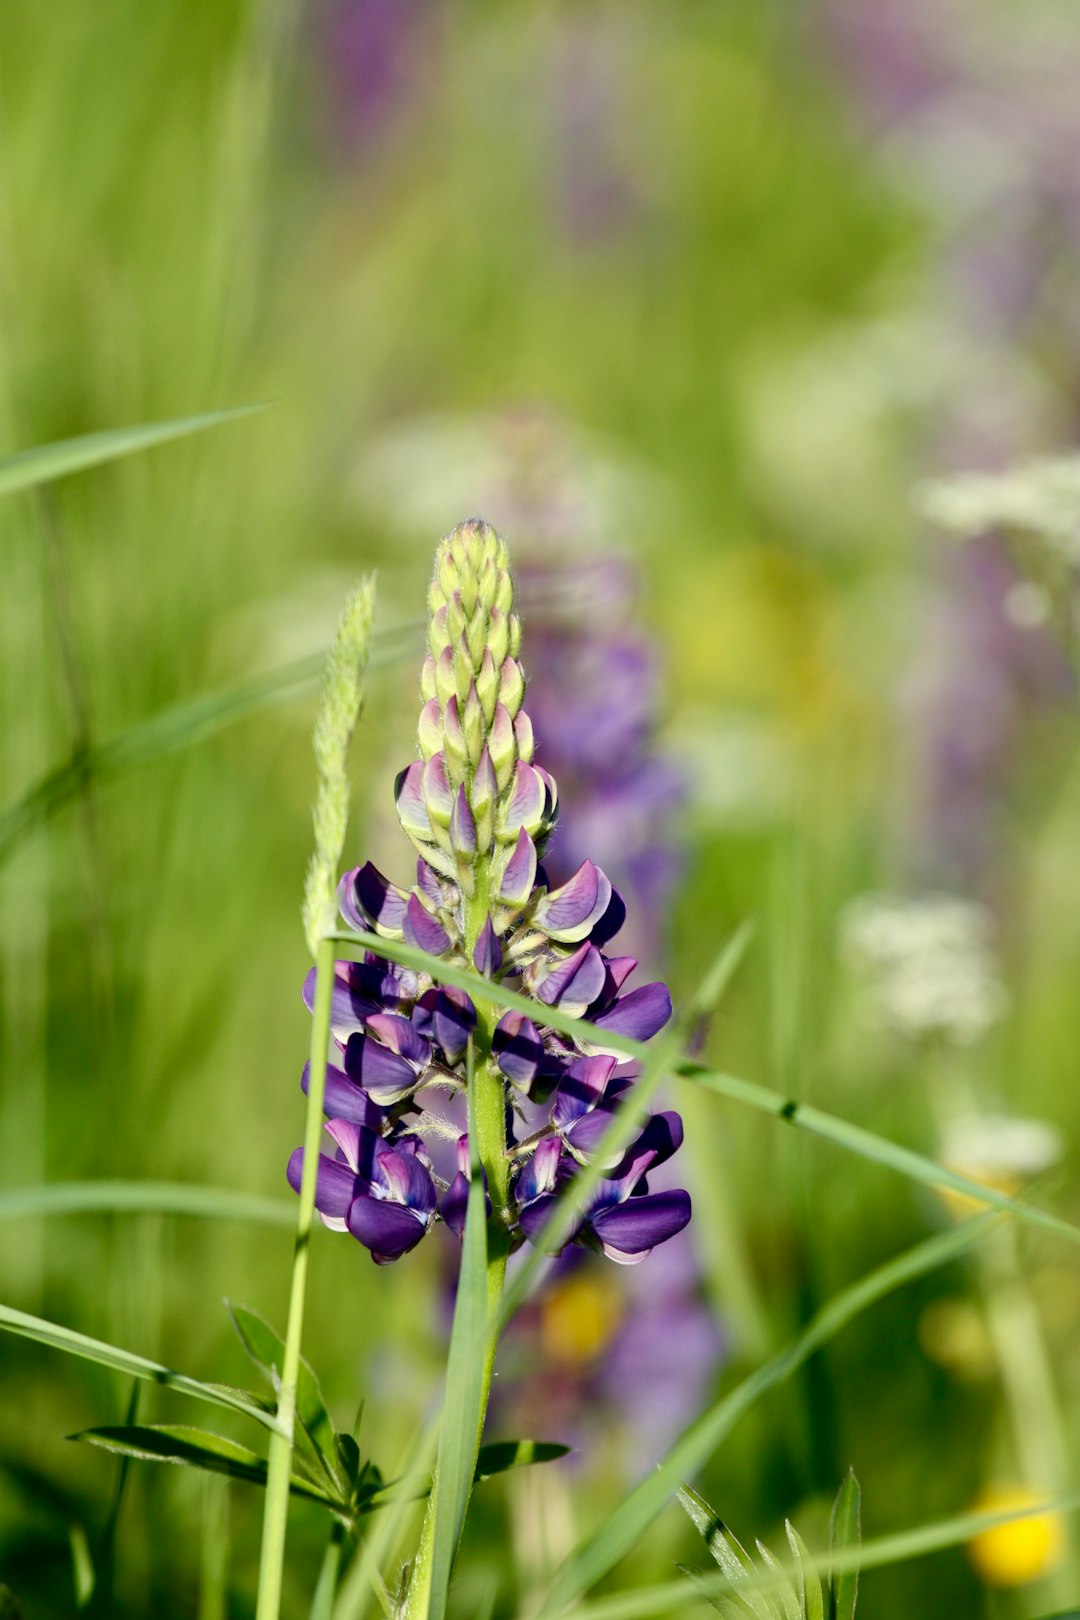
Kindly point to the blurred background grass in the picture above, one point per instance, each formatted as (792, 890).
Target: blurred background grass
(769, 264)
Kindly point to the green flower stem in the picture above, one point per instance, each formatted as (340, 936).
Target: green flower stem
(489, 1114)
(275, 1515)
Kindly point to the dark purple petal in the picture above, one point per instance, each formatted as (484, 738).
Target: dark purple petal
(368, 900)
(384, 1075)
(640, 1013)
(428, 882)
(423, 930)
(580, 1089)
(348, 1007)
(335, 1184)
(517, 1048)
(388, 1230)
(662, 1137)
(538, 1175)
(610, 921)
(576, 982)
(453, 1021)
(342, 1099)
(487, 957)
(455, 1203)
(535, 1216)
(401, 1036)
(405, 1179)
(628, 1231)
(520, 874)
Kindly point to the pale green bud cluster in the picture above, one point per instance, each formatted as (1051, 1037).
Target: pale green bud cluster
(340, 702)
(467, 798)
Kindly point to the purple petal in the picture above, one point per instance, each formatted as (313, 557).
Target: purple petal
(423, 930)
(438, 794)
(520, 874)
(526, 807)
(401, 1036)
(453, 1021)
(405, 1178)
(661, 1137)
(388, 1230)
(462, 825)
(368, 900)
(428, 882)
(628, 1231)
(575, 983)
(610, 921)
(384, 1075)
(344, 1100)
(537, 1177)
(348, 1007)
(409, 797)
(517, 1048)
(535, 1216)
(640, 1013)
(569, 912)
(335, 1184)
(455, 1203)
(580, 1089)
(487, 957)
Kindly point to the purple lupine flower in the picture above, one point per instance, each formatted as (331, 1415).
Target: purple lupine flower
(479, 814)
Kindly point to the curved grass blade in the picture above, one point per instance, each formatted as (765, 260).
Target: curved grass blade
(172, 730)
(670, 1597)
(47, 462)
(868, 1145)
(196, 1448)
(145, 1197)
(855, 1138)
(58, 1337)
(608, 1545)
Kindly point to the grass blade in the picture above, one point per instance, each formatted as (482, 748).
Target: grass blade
(47, 462)
(868, 1145)
(172, 730)
(671, 1597)
(58, 1337)
(147, 1198)
(841, 1132)
(459, 1437)
(603, 1550)
(845, 1536)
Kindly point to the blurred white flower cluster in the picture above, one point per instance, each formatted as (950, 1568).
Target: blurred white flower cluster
(1039, 497)
(1001, 1150)
(927, 964)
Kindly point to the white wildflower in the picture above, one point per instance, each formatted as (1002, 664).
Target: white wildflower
(928, 964)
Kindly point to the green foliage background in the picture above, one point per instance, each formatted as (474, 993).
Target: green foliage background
(181, 231)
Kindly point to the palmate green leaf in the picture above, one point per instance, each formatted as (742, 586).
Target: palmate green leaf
(731, 1557)
(58, 1337)
(854, 1138)
(47, 462)
(197, 1448)
(613, 1540)
(459, 1436)
(266, 1349)
(787, 1598)
(845, 1535)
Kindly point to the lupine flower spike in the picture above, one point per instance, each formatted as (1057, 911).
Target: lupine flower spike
(479, 810)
